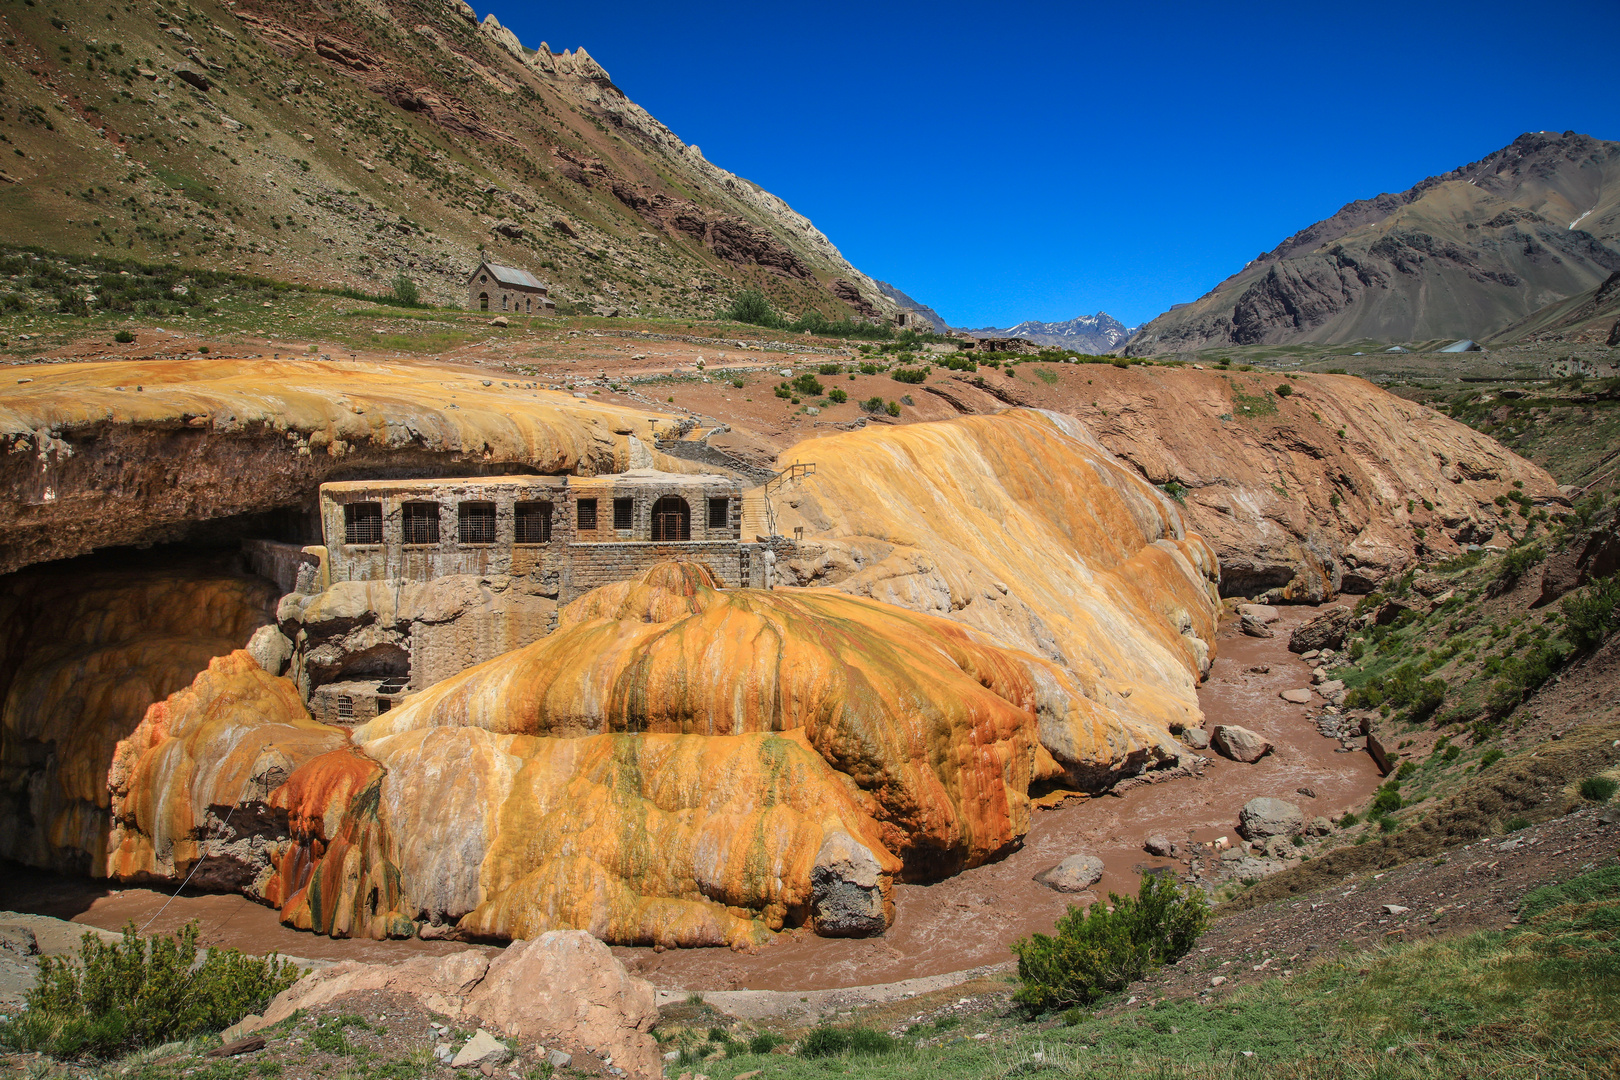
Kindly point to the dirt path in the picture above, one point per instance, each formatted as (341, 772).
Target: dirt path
(943, 929)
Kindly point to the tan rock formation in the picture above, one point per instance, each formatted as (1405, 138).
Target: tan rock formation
(563, 986)
(193, 781)
(1326, 488)
(704, 745)
(1022, 526)
(113, 453)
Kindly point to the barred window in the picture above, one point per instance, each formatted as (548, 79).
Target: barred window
(533, 521)
(421, 523)
(477, 522)
(719, 513)
(587, 515)
(624, 513)
(362, 523)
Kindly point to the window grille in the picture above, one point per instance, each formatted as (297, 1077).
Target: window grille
(624, 513)
(671, 519)
(421, 523)
(477, 522)
(587, 515)
(719, 513)
(362, 523)
(345, 707)
(533, 521)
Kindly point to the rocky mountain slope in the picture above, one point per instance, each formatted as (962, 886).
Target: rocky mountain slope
(1093, 334)
(1460, 255)
(345, 143)
(916, 307)
(1587, 317)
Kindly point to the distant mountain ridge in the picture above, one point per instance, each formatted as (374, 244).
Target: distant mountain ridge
(1460, 255)
(1091, 334)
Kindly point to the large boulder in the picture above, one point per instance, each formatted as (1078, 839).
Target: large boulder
(1239, 743)
(564, 986)
(1327, 631)
(1264, 817)
(849, 889)
(1077, 873)
(1254, 627)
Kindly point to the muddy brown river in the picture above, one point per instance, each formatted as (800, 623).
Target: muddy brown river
(960, 923)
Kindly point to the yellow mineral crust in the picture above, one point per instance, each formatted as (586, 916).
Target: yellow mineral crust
(670, 760)
(226, 741)
(1023, 526)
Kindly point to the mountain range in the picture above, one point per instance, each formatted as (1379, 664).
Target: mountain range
(347, 143)
(1093, 334)
(1464, 254)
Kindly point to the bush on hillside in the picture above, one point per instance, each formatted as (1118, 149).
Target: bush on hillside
(1593, 614)
(405, 291)
(132, 993)
(1598, 789)
(1104, 948)
(1519, 558)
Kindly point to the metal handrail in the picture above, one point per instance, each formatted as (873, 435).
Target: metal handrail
(778, 482)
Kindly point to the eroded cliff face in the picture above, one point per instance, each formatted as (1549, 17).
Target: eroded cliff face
(84, 652)
(1332, 486)
(103, 454)
(1022, 526)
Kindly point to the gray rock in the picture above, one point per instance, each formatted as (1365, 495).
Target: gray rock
(1197, 738)
(1266, 817)
(270, 648)
(1395, 909)
(1077, 873)
(1239, 743)
(1280, 847)
(1297, 696)
(1327, 631)
(1157, 844)
(1254, 627)
(508, 228)
(483, 1048)
(846, 889)
(1332, 690)
(1260, 613)
(1319, 826)
(560, 1060)
(443, 1053)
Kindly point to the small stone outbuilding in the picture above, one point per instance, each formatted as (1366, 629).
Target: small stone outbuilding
(493, 287)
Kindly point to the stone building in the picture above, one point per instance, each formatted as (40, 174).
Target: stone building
(420, 579)
(493, 287)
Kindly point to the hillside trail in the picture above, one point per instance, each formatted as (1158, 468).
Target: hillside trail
(941, 930)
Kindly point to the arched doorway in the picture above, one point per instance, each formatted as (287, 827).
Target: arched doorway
(483, 301)
(671, 519)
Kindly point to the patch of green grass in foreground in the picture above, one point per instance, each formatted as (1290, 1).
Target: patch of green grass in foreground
(1541, 999)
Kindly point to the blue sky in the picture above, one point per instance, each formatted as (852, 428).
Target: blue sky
(1020, 160)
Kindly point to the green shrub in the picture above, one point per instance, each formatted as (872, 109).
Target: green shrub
(1284, 390)
(784, 392)
(909, 375)
(830, 369)
(406, 292)
(1491, 757)
(1598, 789)
(1519, 558)
(1098, 951)
(865, 1040)
(873, 404)
(1176, 491)
(125, 995)
(1347, 820)
(808, 385)
(738, 383)
(837, 396)
(824, 1041)
(123, 337)
(893, 408)
(1517, 823)
(1388, 800)
(752, 307)
(764, 1042)
(1593, 614)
